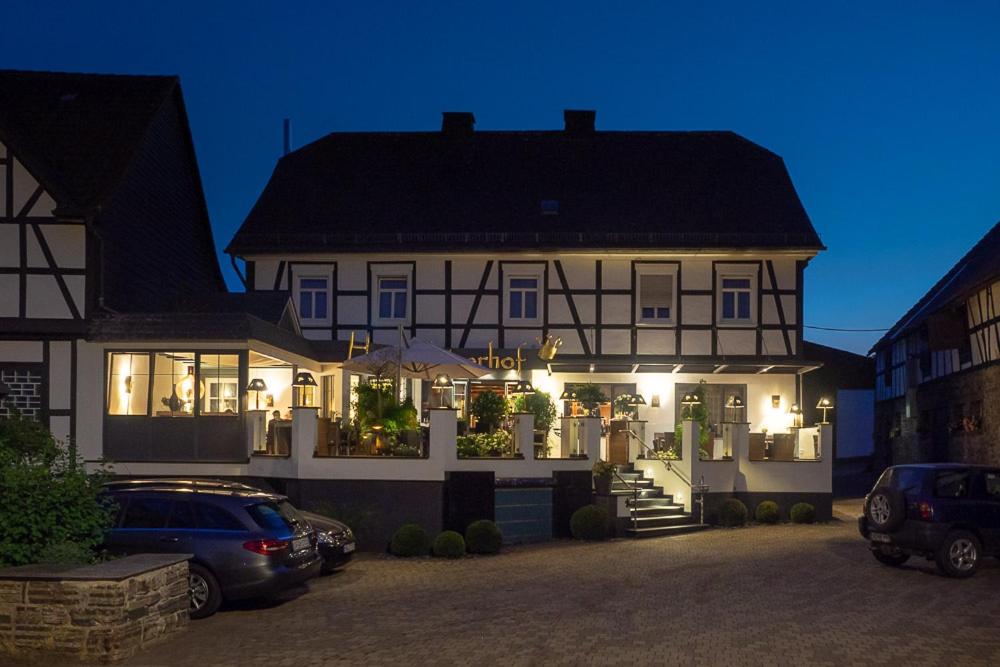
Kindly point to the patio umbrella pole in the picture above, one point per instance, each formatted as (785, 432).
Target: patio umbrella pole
(399, 366)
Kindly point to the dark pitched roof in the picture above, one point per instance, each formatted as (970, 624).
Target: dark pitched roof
(268, 306)
(78, 132)
(538, 189)
(980, 265)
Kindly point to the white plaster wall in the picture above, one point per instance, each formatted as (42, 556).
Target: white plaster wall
(90, 400)
(60, 374)
(27, 351)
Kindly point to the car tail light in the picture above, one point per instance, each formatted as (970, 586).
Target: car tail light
(266, 547)
(926, 510)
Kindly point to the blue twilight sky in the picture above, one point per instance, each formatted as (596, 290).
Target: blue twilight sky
(885, 113)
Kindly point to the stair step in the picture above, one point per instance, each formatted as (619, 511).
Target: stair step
(655, 492)
(641, 483)
(665, 531)
(653, 501)
(657, 521)
(657, 510)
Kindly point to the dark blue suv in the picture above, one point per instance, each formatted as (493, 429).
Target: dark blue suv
(946, 512)
(245, 542)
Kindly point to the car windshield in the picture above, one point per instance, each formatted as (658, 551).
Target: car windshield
(278, 515)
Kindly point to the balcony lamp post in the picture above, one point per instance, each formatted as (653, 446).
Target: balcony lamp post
(824, 405)
(304, 384)
(441, 384)
(689, 401)
(796, 413)
(734, 404)
(257, 385)
(635, 400)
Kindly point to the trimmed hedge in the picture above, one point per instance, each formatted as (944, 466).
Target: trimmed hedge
(803, 513)
(483, 537)
(767, 512)
(732, 513)
(590, 522)
(449, 544)
(409, 540)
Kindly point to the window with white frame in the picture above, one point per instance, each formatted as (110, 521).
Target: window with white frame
(736, 299)
(392, 296)
(656, 298)
(313, 298)
(522, 298)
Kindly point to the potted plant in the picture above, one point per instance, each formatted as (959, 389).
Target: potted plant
(539, 404)
(489, 409)
(591, 396)
(603, 477)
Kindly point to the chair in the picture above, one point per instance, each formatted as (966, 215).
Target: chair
(756, 445)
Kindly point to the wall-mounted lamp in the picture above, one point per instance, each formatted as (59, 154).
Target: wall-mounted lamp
(776, 401)
(824, 405)
(654, 401)
(257, 385)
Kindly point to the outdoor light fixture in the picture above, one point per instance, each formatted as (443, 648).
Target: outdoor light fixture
(776, 401)
(654, 401)
(305, 383)
(735, 404)
(258, 386)
(637, 399)
(796, 413)
(522, 387)
(443, 381)
(824, 405)
(689, 401)
(567, 395)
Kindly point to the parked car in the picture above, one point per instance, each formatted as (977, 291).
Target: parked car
(244, 542)
(335, 540)
(949, 513)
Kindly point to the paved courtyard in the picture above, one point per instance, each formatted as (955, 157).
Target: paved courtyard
(763, 595)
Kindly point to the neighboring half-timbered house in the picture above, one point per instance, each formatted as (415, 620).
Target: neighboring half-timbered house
(101, 212)
(937, 370)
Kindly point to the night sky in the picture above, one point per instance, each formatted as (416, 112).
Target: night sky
(888, 117)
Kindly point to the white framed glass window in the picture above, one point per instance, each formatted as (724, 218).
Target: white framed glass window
(736, 299)
(393, 292)
(522, 298)
(313, 298)
(656, 298)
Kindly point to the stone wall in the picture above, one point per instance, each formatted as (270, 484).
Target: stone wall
(90, 618)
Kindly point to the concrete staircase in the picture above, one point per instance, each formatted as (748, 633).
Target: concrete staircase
(656, 514)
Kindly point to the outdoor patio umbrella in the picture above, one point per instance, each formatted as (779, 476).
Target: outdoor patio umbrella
(417, 359)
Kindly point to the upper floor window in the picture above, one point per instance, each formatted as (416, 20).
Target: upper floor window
(656, 297)
(392, 293)
(313, 297)
(522, 298)
(736, 299)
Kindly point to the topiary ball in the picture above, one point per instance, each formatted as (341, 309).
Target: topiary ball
(483, 537)
(767, 512)
(449, 544)
(802, 513)
(409, 540)
(590, 522)
(732, 513)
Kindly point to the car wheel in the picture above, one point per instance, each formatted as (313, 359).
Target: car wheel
(203, 591)
(959, 554)
(885, 509)
(891, 557)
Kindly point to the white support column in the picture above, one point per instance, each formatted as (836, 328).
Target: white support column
(304, 430)
(825, 448)
(256, 421)
(443, 433)
(569, 435)
(689, 441)
(735, 439)
(590, 436)
(635, 450)
(524, 434)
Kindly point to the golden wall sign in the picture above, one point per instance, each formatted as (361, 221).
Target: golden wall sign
(506, 363)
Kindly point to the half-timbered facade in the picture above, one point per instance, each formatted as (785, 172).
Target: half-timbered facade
(937, 368)
(101, 212)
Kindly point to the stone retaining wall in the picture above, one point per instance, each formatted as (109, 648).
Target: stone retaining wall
(90, 618)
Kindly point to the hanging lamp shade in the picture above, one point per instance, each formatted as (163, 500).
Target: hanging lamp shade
(735, 402)
(257, 384)
(304, 379)
(690, 399)
(637, 399)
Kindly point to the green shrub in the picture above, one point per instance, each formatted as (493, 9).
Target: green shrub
(449, 544)
(489, 409)
(483, 537)
(767, 512)
(802, 513)
(732, 513)
(474, 445)
(49, 505)
(409, 540)
(590, 522)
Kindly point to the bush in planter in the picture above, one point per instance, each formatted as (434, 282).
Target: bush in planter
(449, 544)
(767, 512)
(732, 513)
(802, 513)
(603, 476)
(590, 522)
(489, 410)
(483, 537)
(409, 540)
(474, 445)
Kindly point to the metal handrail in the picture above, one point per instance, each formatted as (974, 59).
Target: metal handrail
(635, 497)
(666, 463)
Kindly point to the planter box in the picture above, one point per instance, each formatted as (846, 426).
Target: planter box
(102, 612)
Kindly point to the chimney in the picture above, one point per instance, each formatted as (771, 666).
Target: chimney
(457, 122)
(579, 121)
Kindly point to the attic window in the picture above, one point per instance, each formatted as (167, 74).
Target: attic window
(550, 207)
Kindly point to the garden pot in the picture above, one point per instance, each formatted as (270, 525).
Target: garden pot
(602, 485)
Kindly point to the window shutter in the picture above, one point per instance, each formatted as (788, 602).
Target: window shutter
(656, 291)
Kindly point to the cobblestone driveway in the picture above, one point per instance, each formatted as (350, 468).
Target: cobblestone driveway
(763, 595)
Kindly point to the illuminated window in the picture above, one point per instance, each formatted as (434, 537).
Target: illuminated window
(522, 297)
(313, 298)
(392, 293)
(174, 384)
(128, 383)
(219, 375)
